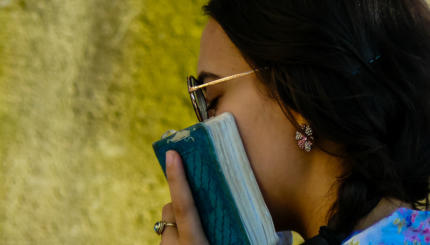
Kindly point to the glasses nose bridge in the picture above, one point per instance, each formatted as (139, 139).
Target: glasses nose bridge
(198, 99)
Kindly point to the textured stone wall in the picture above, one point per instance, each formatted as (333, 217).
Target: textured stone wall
(85, 87)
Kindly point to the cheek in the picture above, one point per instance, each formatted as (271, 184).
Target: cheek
(269, 140)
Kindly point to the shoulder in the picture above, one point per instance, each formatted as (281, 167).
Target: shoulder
(285, 238)
(404, 226)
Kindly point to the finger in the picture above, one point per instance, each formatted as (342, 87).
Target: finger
(186, 215)
(170, 234)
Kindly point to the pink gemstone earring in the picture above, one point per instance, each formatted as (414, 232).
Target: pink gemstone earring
(305, 141)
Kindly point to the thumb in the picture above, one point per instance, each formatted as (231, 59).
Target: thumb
(187, 218)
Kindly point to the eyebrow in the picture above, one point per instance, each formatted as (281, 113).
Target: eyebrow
(205, 75)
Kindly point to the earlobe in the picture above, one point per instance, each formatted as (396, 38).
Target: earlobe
(298, 117)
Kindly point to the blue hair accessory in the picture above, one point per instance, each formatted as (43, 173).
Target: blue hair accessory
(371, 61)
(375, 59)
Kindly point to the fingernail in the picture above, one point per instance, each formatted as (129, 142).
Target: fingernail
(169, 158)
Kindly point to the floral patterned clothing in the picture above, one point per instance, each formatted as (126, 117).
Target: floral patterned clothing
(404, 226)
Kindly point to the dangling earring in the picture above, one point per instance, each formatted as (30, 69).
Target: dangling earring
(306, 141)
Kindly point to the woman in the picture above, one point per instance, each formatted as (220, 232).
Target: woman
(334, 115)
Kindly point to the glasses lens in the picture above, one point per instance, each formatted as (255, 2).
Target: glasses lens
(198, 99)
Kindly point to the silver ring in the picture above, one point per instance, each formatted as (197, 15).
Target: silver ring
(159, 226)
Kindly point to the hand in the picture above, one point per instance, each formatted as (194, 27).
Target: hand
(181, 210)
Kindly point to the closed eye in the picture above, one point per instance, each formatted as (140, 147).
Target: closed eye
(212, 107)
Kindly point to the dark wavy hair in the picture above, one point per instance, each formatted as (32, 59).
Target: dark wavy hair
(359, 72)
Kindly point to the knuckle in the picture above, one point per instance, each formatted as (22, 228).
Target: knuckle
(167, 207)
(167, 211)
(181, 209)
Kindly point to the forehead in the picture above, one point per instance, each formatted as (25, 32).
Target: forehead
(217, 53)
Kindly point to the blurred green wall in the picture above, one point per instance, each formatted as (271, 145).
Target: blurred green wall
(85, 87)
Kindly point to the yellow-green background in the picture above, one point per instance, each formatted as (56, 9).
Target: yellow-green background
(85, 87)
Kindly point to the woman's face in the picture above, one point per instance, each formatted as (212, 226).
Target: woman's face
(268, 136)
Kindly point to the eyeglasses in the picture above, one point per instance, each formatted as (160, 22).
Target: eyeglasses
(198, 97)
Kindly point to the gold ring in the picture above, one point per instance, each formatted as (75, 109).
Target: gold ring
(161, 225)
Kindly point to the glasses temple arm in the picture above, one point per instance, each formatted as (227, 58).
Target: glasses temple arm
(192, 89)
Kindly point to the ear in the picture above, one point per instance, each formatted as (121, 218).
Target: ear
(298, 117)
(295, 117)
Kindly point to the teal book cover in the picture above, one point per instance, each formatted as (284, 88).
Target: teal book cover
(218, 212)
